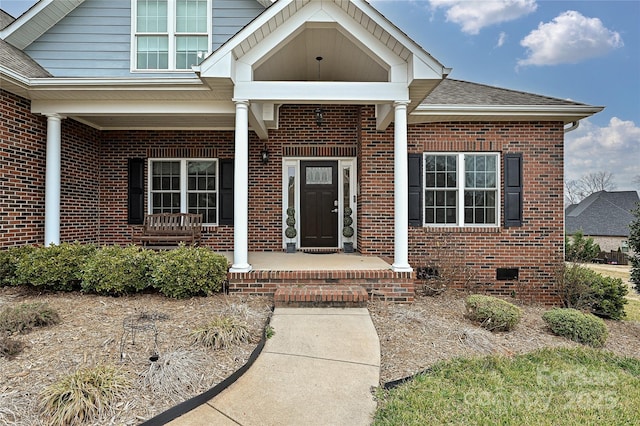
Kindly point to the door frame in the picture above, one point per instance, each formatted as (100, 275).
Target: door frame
(291, 167)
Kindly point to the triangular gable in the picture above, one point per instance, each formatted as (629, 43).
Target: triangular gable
(407, 63)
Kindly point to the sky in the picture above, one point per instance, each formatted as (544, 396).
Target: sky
(584, 51)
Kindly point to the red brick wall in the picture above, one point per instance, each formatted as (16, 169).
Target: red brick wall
(536, 248)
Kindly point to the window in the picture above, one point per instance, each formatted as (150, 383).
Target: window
(461, 189)
(171, 34)
(185, 186)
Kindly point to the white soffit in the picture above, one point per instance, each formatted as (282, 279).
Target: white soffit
(36, 21)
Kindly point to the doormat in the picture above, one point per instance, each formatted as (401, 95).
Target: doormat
(320, 251)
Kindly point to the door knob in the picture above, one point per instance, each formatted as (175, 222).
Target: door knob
(334, 211)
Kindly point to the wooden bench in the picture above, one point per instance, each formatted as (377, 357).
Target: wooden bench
(164, 230)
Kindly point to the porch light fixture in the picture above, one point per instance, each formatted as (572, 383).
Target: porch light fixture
(319, 112)
(264, 155)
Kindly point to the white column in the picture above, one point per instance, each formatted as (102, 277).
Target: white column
(52, 181)
(241, 190)
(401, 190)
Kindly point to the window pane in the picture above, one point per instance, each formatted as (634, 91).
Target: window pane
(190, 51)
(153, 52)
(152, 16)
(291, 174)
(319, 175)
(191, 16)
(202, 195)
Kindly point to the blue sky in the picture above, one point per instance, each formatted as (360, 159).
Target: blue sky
(586, 51)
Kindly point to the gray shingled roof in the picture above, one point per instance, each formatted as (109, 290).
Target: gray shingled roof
(5, 19)
(602, 214)
(458, 92)
(19, 62)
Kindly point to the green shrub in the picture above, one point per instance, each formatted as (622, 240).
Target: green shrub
(188, 271)
(492, 313)
(26, 316)
(8, 262)
(54, 267)
(579, 248)
(84, 396)
(116, 270)
(583, 289)
(220, 333)
(577, 326)
(634, 245)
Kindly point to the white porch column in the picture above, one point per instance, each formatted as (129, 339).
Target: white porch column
(52, 180)
(241, 190)
(401, 190)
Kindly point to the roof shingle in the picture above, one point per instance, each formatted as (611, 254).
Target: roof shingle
(602, 214)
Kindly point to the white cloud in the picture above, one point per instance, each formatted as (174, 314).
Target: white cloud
(472, 16)
(569, 38)
(501, 39)
(614, 149)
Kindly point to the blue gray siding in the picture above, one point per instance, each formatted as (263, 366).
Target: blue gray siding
(95, 39)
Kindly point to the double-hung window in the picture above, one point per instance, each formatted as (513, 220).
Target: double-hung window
(184, 186)
(461, 189)
(171, 34)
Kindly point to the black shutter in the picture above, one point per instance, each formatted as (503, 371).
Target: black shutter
(136, 191)
(415, 189)
(226, 192)
(512, 190)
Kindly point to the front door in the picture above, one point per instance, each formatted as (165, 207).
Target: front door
(319, 204)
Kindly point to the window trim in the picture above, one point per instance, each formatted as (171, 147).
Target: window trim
(461, 188)
(183, 184)
(171, 34)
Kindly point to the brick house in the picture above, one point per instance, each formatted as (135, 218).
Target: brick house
(112, 109)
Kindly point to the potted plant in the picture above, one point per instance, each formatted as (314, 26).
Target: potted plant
(347, 230)
(291, 232)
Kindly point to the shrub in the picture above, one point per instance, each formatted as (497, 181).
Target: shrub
(53, 267)
(492, 313)
(220, 333)
(577, 248)
(583, 289)
(188, 271)
(634, 245)
(25, 317)
(116, 270)
(8, 262)
(577, 326)
(84, 396)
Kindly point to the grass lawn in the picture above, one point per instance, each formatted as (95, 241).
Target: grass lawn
(632, 309)
(546, 387)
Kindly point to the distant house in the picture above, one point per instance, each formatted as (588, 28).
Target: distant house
(604, 216)
(245, 110)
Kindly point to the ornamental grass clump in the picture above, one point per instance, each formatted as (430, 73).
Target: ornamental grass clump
(27, 316)
(84, 396)
(492, 313)
(577, 326)
(174, 374)
(220, 333)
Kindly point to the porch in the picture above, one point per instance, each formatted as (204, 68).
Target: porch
(313, 277)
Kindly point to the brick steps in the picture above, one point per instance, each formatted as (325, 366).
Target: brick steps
(302, 296)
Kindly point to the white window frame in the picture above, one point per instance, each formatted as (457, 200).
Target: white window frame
(460, 188)
(171, 34)
(183, 184)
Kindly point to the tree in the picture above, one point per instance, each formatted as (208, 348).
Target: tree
(634, 244)
(578, 190)
(636, 181)
(579, 249)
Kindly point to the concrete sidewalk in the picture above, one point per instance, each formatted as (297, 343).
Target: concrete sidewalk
(318, 369)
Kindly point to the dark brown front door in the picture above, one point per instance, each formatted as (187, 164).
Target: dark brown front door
(319, 204)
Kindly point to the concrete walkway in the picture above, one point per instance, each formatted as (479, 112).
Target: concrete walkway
(318, 369)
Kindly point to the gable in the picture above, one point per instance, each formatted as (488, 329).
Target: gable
(602, 214)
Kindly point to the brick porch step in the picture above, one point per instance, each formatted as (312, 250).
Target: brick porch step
(302, 296)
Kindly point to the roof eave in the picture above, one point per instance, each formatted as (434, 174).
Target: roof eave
(440, 113)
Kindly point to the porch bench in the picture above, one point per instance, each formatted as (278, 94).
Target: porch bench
(165, 230)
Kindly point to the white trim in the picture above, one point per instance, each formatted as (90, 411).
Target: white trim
(184, 189)
(461, 187)
(342, 162)
(171, 35)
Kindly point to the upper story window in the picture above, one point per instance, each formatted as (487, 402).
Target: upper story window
(461, 189)
(171, 34)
